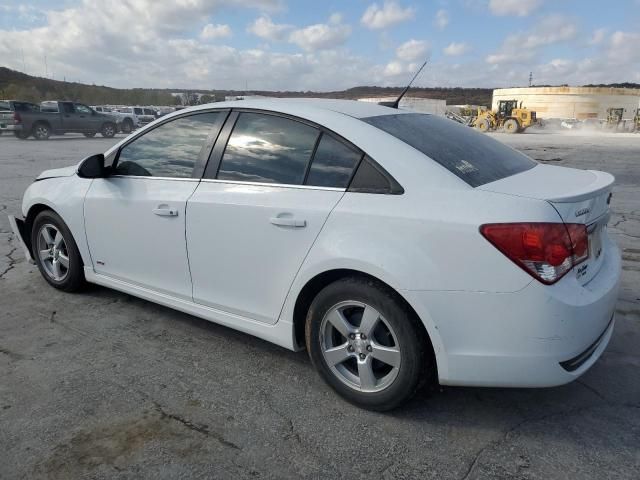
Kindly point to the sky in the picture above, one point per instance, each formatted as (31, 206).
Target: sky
(322, 45)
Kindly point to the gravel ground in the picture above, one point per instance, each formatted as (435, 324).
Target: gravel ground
(104, 385)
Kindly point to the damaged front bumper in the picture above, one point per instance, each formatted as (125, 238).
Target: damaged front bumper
(18, 227)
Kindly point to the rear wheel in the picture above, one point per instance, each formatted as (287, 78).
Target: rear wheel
(127, 126)
(108, 130)
(90, 134)
(366, 344)
(511, 126)
(56, 252)
(41, 131)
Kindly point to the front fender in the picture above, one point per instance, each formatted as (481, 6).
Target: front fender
(65, 196)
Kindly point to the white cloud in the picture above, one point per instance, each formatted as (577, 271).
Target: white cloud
(522, 47)
(442, 19)
(335, 18)
(211, 31)
(390, 14)
(521, 8)
(598, 36)
(412, 50)
(264, 27)
(320, 36)
(455, 48)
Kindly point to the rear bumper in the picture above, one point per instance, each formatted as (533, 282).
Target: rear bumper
(18, 227)
(10, 128)
(540, 336)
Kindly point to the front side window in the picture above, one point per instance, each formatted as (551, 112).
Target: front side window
(170, 150)
(333, 163)
(269, 149)
(82, 109)
(137, 111)
(474, 157)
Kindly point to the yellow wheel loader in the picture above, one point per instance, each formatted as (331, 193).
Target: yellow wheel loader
(509, 116)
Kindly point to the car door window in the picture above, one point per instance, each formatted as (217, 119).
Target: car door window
(333, 163)
(169, 150)
(137, 111)
(268, 148)
(82, 109)
(68, 108)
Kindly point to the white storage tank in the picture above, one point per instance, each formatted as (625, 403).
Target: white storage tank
(572, 102)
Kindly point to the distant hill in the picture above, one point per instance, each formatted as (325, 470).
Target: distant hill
(18, 85)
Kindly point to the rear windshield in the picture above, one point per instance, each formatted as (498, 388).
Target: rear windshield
(472, 156)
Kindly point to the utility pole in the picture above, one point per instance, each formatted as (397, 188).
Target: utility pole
(530, 78)
(24, 65)
(46, 72)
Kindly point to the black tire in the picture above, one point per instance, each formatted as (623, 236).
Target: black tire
(127, 126)
(108, 130)
(41, 131)
(483, 125)
(511, 126)
(90, 135)
(416, 365)
(21, 134)
(73, 279)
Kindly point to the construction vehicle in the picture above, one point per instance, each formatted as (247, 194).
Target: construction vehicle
(509, 116)
(615, 120)
(636, 121)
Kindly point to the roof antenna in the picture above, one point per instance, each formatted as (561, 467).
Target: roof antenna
(396, 102)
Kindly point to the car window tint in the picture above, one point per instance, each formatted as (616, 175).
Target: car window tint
(268, 148)
(137, 111)
(25, 107)
(82, 109)
(170, 150)
(474, 157)
(333, 163)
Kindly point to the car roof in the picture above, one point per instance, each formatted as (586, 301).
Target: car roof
(352, 108)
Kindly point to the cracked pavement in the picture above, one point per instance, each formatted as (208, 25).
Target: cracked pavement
(104, 385)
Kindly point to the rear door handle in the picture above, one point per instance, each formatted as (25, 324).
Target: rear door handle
(165, 212)
(288, 222)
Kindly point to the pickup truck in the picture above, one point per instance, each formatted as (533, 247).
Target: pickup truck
(128, 121)
(11, 116)
(58, 117)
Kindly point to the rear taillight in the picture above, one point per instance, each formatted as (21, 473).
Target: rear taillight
(17, 118)
(547, 251)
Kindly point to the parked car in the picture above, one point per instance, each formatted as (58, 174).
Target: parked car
(127, 122)
(397, 247)
(140, 116)
(11, 116)
(59, 117)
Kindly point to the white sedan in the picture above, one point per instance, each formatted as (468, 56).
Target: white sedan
(397, 247)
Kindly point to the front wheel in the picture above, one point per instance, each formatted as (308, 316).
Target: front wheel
(511, 126)
(108, 130)
(366, 344)
(56, 253)
(483, 125)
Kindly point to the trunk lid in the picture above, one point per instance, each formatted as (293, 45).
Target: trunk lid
(579, 196)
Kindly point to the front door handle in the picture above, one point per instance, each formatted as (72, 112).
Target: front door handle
(165, 212)
(288, 222)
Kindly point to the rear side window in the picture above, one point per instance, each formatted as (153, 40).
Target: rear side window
(5, 106)
(25, 107)
(170, 150)
(472, 156)
(269, 149)
(333, 163)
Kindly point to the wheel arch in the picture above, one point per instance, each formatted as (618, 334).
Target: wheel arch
(314, 285)
(33, 212)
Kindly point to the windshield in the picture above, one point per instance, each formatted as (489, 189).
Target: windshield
(472, 156)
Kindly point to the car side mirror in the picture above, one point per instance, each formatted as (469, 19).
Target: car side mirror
(92, 167)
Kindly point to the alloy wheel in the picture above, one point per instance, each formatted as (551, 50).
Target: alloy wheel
(359, 346)
(53, 253)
